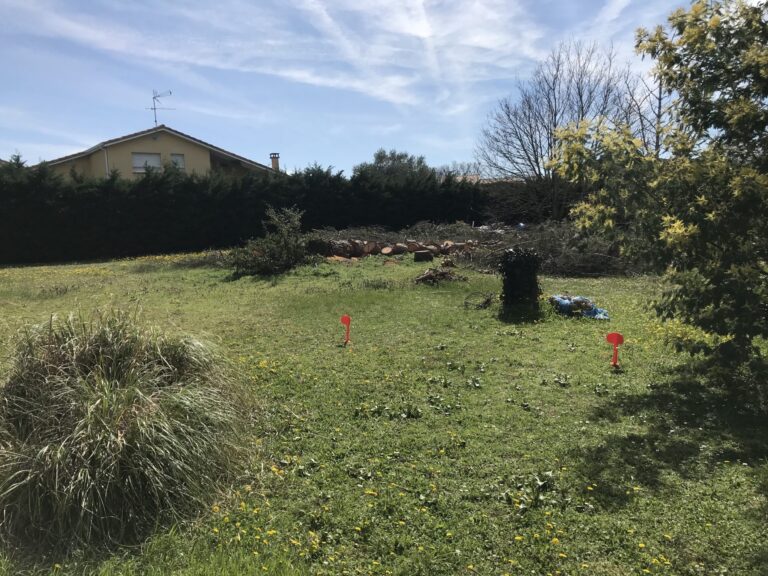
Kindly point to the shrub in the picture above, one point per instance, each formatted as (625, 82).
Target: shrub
(519, 269)
(282, 248)
(108, 429)
(563, 250)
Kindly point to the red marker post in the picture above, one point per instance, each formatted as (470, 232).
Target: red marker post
(346, 320)
(615, 338)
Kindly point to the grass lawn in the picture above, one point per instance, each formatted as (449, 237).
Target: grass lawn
(443, 441)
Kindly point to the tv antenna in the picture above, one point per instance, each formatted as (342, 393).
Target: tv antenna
(156, 100)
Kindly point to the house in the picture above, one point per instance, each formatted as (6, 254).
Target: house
(157, 147)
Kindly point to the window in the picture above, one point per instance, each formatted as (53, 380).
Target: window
(178, 161)
(142, 160)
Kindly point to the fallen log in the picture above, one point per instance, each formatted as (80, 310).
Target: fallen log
(356, 248)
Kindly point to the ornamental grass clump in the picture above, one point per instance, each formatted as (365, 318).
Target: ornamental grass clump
(109, 429)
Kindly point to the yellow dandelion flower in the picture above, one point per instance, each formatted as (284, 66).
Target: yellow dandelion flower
(555, 540)
(215, 509)
(519, 538)
(641, 545)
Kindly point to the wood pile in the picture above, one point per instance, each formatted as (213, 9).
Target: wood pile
(360, 248)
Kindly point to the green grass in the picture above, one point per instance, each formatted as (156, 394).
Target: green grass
(443, 441)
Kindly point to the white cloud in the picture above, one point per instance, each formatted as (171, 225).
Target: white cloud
(443, 54)
(611, 11)
(405, 52)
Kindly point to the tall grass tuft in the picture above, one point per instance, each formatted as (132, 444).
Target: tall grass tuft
(108, 429)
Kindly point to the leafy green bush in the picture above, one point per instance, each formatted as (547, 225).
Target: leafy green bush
(700, 209)
(282, 248)
(108, 429)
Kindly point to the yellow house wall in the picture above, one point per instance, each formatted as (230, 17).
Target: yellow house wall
(81, 166)
(197, 159)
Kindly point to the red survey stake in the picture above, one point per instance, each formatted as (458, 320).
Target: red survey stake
(346, 320)
(615, 338)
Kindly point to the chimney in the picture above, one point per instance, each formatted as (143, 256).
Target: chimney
(275, 157)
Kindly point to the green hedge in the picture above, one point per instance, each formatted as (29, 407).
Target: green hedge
(46, 218)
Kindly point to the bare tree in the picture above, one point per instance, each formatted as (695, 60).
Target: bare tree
(648, 110)
(576, 82)
(463, 170)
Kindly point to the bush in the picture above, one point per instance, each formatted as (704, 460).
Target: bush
(519, 269)
(108, 429)
(283, 247)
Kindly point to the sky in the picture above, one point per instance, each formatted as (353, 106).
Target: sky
(318, 81)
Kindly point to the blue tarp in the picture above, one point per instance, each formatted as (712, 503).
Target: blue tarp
(578, 305)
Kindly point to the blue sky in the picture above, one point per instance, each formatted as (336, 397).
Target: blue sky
(327, 81)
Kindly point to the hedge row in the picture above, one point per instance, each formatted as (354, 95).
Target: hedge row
(44, 217)
(47, 218)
